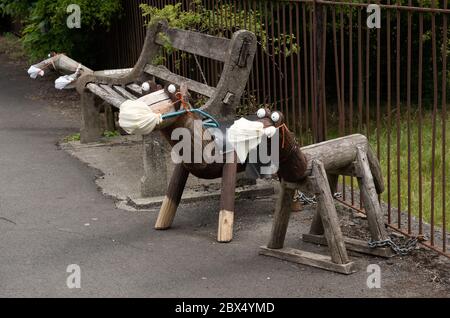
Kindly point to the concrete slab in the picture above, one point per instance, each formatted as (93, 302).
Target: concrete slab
(119, 164)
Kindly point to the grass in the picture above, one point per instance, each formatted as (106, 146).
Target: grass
(11, 46)
(410, 174)
(73, 137)
(111, 134)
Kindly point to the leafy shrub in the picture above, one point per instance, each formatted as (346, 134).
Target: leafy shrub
(17, 9)
(46, 27)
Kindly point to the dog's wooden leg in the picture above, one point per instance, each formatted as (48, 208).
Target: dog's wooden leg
(173, 198)
(317, 225)
(281, 217)
(226, 217)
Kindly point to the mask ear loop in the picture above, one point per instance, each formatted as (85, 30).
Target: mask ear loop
(284, 129)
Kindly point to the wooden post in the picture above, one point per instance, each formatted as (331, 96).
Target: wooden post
(173, 198)
(227, 199)
(325, 204)
(281, 216)
(110, 123)
(90, 119)
(370, 197)
(316, 225)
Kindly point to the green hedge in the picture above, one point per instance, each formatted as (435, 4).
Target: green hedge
(46, 26)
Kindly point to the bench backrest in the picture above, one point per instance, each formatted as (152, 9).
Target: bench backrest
(236, 53)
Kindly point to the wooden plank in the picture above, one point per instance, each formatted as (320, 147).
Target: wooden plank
(227, 199)
(135, 88)
(352, 245)
(110, 124)
(281, 217)
(173, 198)
(111, 91)
(166, 75)
(370, 198)
(90, 119)
(100, 92)
(308, 258)
(209, 46)
(327, 209)
(124, 92)
(155, 98)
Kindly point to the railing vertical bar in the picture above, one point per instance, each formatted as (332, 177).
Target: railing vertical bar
(388, 71)
(295, 102)
(266, 81)
(305, 68)
(323, 66)
(257, 57)
(272, 31)
(419, 128)
(408, 112)
(285, 73)
(433, 141)
(444, 127)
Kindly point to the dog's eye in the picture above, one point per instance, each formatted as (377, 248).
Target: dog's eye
(261, 113)
(275, 117)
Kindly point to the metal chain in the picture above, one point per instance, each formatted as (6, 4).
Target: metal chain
(305, 200)
(399, 249)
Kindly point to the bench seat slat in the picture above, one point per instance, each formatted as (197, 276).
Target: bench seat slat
(115, 100)
(124, 92)
(209, 46)
(166, 75)
(136, 89)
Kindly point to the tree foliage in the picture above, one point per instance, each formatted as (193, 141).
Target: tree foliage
(46, 27)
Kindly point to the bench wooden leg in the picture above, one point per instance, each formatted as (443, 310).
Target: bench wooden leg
(281, 217)
(110, 123)
(227, 201)
(370, 198)
(327, 209)
(90, 119)
(155, 179)
(173, 198)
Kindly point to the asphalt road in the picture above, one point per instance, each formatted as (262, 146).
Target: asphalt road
(52, 215)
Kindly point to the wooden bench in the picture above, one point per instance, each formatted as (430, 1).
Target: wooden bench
(116, 87)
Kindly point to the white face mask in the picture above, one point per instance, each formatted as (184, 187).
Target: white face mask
(246, 135)
(34, 72)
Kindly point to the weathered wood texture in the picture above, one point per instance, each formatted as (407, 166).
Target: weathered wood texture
(227, 200)
(339, 154)
(209, 46)
(317, 225)
(369, 197)
(114, 100)
(63, 64)
(281, 217)
(308, 258)
(166, 75)
(90, 119)
(327, 209)
(173, 198)
(352, 245)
